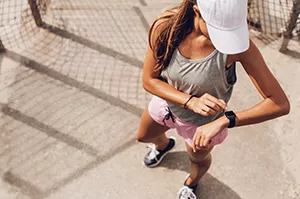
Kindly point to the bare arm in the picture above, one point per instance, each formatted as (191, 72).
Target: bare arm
(152, 84)
(275, 102)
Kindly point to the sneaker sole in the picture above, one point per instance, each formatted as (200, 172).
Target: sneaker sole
(162, 157)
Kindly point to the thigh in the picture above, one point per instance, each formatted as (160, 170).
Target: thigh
(149, 128)
(200, 155)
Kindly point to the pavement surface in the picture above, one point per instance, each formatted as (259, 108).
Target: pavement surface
(71, 99)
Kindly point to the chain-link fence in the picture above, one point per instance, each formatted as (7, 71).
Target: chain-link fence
(276, 18)
(66, 35)
(19, 19)
(272, 16)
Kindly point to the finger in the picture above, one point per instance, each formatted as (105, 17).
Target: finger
(205, 110)
(194, 144)
(206, 142)
(202, 112)
(215, 100)
(218, 102)
(198, 141)
(201, 141)
(203, 144)
(209, 110)
(213, 105)
(224, 103)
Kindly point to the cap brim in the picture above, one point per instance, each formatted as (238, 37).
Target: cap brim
(231, 41)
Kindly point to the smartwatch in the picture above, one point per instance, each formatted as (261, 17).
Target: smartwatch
(231, 116)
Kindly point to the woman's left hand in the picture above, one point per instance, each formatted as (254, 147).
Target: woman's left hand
(205, 133)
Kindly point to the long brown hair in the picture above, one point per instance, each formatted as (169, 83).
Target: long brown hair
(175, 27)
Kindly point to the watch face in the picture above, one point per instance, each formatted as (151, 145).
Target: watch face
(229, 113)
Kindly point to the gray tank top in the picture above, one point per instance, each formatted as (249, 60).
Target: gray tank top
(197, 77)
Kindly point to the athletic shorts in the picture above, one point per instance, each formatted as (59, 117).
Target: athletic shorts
(161, 113)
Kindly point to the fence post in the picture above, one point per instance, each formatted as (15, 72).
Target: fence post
(2, 48)
(35, 12)
(288, 34)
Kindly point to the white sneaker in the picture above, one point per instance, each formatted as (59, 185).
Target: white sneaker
(186, 193)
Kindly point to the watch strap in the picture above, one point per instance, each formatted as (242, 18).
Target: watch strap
(231, 116)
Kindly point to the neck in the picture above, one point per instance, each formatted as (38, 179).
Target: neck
(197, 29)
(197, 38)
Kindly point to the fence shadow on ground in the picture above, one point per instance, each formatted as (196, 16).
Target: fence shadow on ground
(210, 187)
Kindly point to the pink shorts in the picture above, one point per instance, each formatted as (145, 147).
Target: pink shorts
(160, 113)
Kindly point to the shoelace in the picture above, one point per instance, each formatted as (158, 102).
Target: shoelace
(186, 193)
(168, 116)
(153, 151)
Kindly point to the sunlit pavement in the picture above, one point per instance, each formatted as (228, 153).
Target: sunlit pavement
(71, 97)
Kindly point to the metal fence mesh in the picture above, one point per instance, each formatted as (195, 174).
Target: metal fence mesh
(79, 69)
(18, 30)
(270, 17)
(275, 19)
(78, 37)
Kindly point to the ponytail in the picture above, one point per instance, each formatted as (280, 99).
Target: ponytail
(175, 28)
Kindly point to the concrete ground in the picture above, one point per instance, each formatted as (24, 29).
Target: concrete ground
(71, 100)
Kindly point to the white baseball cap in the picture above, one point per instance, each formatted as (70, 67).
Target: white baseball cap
(226, 22)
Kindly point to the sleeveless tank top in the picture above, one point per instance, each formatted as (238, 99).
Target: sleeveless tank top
(197, 77)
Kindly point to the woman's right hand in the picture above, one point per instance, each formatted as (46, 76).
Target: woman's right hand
(206, 105)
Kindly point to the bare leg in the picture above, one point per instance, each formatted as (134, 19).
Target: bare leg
(151, 131)
(200, 163)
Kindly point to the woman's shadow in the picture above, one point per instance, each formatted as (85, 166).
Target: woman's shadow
(210, 187)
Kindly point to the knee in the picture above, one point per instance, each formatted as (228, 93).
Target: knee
(206, 161)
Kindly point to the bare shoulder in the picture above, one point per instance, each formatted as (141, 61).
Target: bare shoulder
(251, 57)
(246, 56)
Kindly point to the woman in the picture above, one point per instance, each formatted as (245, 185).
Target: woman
(190, 70)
